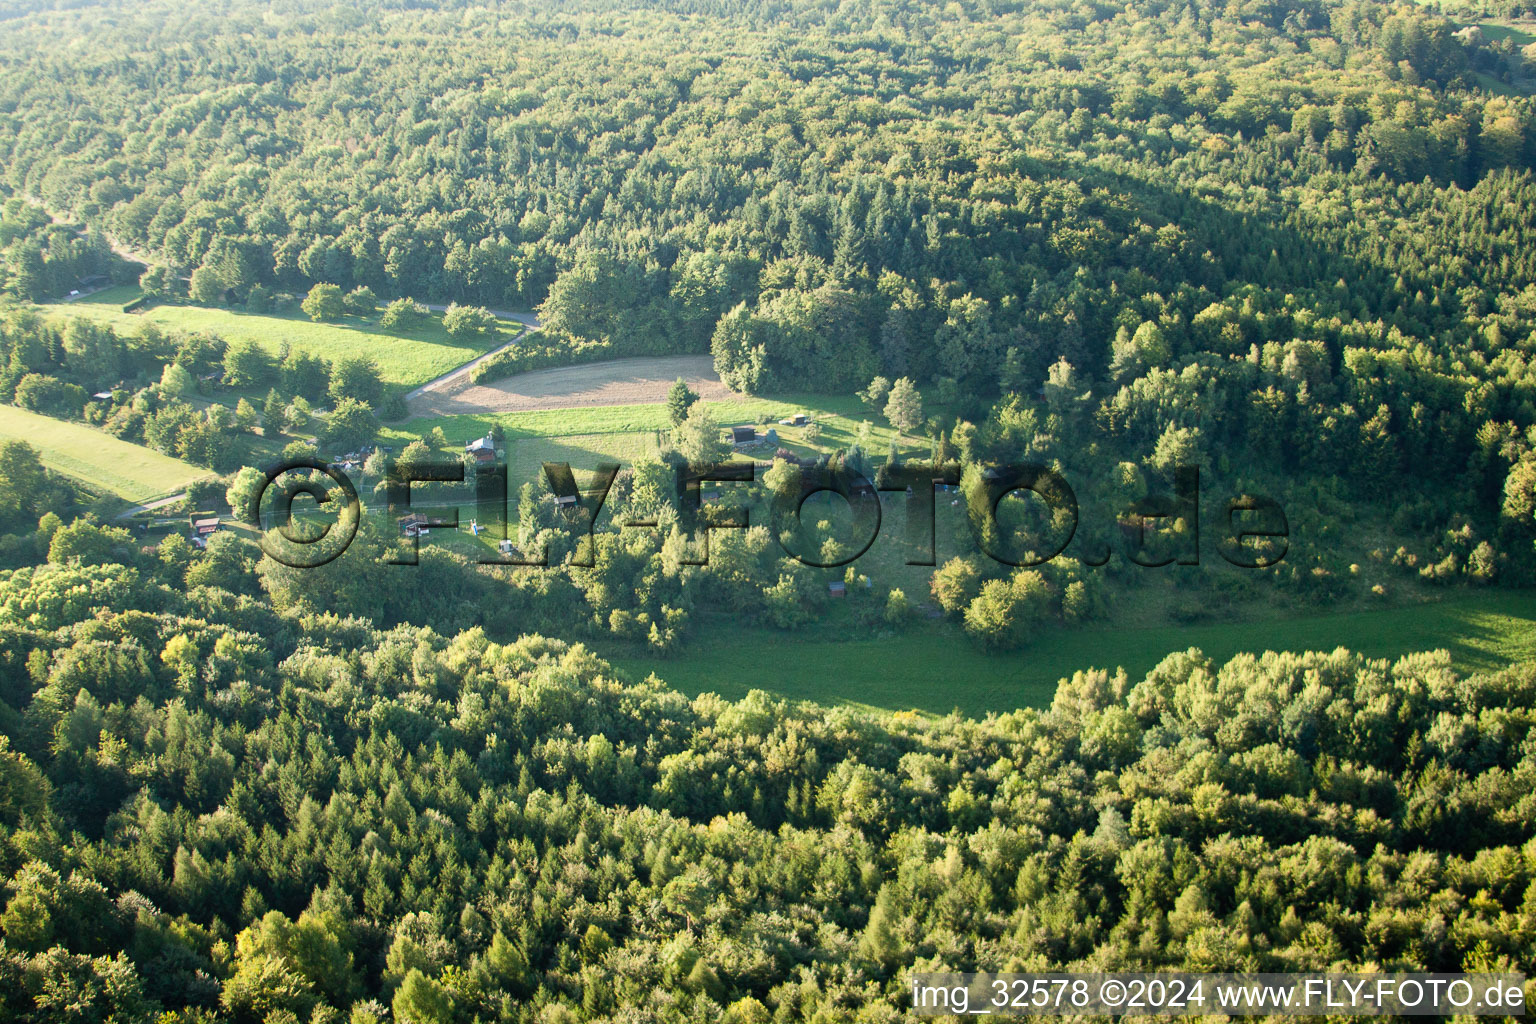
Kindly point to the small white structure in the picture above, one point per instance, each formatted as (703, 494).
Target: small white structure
(482, 448)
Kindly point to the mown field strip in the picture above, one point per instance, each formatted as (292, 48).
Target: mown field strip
(407, 358)
(100, 460)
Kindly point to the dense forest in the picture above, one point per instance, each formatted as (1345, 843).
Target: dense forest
(222, 811)
(1288, 241)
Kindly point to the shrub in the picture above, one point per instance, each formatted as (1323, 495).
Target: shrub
(324, 302)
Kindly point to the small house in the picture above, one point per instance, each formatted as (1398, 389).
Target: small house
(565, 501)
(482, 448)
(203, 526)
(743, 435)
(413, 525)
(837, 588)
(799, 419)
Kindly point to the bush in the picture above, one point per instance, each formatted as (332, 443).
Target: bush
(403, 315)
(243, 490)
(259, 299)
(324, 302)
(49, 395)
(466, 323)
(207, 288)
(351, 425)
(361, 301)
(897, 608)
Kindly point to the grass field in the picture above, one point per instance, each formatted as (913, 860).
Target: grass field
(933, 669)
(527, 455)
(839, 417)
(100, 460)
(582, 436)
(1520, 31)
(405, 358)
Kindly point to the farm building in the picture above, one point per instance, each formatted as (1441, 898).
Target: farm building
(482, 448)
(203, 526)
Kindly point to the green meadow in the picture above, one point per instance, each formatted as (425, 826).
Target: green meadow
(933, 669)
(584, 436)
(97, 459)
(405, 358)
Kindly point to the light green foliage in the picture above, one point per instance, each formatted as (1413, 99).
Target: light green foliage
(904, 406)
(698, 437)
(175, 380)
(244, 490)
(466, 323)
(350, 425)
(97, 459)
(324, 302)
(207, 287)
(403, 315)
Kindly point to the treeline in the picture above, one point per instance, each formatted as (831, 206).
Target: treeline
(223, 812)
(47, 260)
(641, 185)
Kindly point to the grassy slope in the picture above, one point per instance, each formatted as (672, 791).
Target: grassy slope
(584, 436)
(839, 418)
(405, 359)
(930, 668)
(100, 460)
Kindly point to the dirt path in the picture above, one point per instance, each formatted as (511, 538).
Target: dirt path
(152, 505)
(614, 382)
(463, 372)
